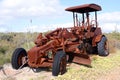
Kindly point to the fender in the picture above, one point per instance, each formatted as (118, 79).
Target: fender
(96, 39)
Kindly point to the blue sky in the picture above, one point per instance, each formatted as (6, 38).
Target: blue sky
(44, 15)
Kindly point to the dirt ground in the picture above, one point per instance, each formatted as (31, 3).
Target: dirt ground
(8, 73)
(114, 74)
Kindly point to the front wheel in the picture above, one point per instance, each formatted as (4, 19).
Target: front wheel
(59, 63)
(102, 46)
(18, 58)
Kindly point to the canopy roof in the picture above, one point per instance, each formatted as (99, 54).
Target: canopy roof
(84, 8)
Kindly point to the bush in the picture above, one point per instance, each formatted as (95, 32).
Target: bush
(3, 50)
(10, 41)
(114, 41)
(7, 37)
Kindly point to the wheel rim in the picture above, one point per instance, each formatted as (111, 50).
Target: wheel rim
(21, 59)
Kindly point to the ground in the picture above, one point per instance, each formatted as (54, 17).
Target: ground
(8, 73)
(102, 68)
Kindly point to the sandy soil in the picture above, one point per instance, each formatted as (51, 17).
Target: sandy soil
(8, 73)
(114, 74)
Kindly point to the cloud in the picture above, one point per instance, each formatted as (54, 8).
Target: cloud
(2, 29)
(15, 9)
(45, 28)
(109, 21)
(110, 27)
(109, 17)
(18, 8)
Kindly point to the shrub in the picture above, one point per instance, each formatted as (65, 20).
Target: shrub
(7, 37)
(3, 50)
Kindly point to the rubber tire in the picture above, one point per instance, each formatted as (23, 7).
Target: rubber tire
(70, 57)
(15, 57)
(101, 47)
(56, 63)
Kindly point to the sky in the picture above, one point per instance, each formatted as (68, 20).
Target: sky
(44, 15)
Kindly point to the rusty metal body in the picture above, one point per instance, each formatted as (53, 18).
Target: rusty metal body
(76, 41)
(73, 44)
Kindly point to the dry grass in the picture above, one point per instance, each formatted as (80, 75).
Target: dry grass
(100, 66)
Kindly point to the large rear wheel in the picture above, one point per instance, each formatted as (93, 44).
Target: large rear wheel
(102, 46)
(19, 58)
(59, 63)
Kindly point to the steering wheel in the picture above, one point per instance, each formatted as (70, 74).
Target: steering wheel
(93, 23)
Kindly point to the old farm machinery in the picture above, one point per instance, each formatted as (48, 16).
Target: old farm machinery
(73, 44)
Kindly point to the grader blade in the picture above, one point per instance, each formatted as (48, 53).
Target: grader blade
(82, 59)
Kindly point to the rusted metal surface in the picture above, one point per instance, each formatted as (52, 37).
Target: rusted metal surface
(84, 8)
(77, 42)
(67, 39)
(82, 59)
(71, 40)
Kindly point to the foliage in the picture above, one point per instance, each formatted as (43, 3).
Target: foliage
(6, 37)
(114, 41)
(114, 35)
(10, 41)
(3, 50)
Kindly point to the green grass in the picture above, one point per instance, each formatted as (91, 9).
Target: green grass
(100, 66)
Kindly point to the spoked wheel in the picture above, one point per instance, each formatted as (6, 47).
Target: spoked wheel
(59, 64)
(19, 58)
(103, 47)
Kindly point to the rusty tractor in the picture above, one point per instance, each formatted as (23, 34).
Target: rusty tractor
(73, 44)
